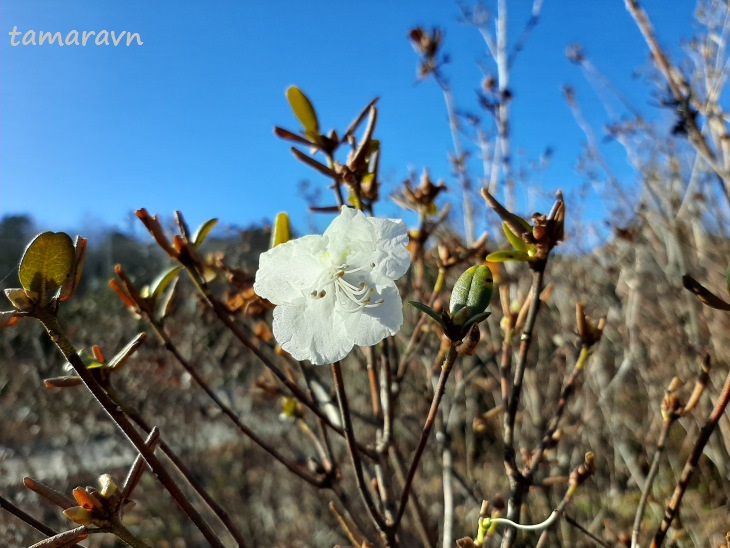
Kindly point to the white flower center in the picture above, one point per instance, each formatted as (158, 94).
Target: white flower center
(345, 287)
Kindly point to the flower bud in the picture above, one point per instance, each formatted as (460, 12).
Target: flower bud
(471, 294)
(108, 487)
(281, 232)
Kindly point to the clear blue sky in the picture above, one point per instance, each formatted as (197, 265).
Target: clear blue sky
(89, 134)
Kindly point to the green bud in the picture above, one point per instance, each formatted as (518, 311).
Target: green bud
(471, 295)
(281, 232)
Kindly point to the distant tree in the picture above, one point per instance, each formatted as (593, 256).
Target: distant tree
(15, 231)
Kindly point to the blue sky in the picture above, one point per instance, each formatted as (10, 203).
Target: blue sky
(184, 121)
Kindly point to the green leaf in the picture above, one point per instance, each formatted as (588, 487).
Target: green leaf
(428, 310)
(514, 240)
(166, 305)
(507, 255)
(525, 224)
(304, 111)
(705, 296)
(476, 319)
(90, 360)
(158, 286)
(282, 230)
(47, 263)
(203, 230)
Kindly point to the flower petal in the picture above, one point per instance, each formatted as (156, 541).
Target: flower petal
(287, 272)
(392, 259)
(349, 236)
(378, 322)
(312, 331)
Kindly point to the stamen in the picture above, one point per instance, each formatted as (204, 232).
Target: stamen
(358, 293)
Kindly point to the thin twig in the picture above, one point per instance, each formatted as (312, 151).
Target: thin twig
(228, 412)
(362, 486)
(49, 321)
(224, 316)
(439, 392)
(646, 490)
(183, 469)
(565, 396)
(585, 531)
(417, 513)
(518, 485)
(680, 92)
(672, 507)
(41, 527)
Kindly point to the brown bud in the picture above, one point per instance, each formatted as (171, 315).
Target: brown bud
(469, 343)
(49, 493)
(87, 499)
(62, 382)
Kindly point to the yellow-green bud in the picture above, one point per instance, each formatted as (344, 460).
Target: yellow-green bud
(78, 514)
(281, 232)
(471, 294)
(108, 487)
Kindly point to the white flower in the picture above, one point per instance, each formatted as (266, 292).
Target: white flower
(336, 290)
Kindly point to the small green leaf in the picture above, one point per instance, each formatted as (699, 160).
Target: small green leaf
(282, 230)
(428, 310)
(47, 263)
(158, 286)
(514, 239)
(476, 319)
(166, 305)
(203, 230)
(525, 224)
(304, 111)
(90, 360)
(507, 255)
(80, 515)
(705, 296)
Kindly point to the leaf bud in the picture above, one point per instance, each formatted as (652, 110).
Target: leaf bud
(79, 515)
(471, 294)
